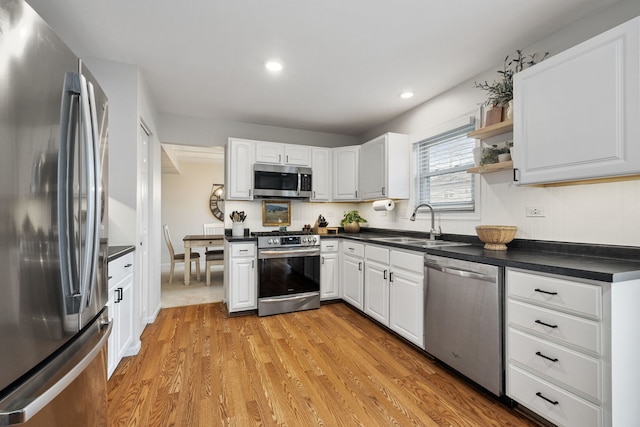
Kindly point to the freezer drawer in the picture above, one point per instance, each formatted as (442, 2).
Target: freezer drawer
(70, 390)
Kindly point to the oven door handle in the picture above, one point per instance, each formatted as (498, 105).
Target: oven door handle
(264, 254)
(291, 298)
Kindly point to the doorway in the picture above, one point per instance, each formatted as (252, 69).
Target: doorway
(188, 177)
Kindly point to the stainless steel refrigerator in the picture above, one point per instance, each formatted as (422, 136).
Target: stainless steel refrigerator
(53, 229)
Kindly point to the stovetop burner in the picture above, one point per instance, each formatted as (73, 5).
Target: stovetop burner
(280, 233)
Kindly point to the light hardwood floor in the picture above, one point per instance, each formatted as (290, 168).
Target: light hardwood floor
(326, 367)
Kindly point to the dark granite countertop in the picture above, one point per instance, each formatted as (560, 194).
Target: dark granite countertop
(116, 252)
(587, 261)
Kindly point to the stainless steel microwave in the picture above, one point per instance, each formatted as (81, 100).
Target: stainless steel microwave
(281, 181)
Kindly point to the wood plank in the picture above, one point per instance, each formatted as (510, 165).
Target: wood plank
(331, 367)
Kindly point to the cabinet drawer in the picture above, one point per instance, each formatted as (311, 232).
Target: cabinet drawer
(120, 268)
(351, 248)
(408, 261)
(243, 249)
(571, 330)
(329, 245)
(576, 370)
(568, 410)
(580, 298)
(376, 253)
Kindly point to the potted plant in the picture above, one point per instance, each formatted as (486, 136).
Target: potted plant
(351, 221)
(500, 92)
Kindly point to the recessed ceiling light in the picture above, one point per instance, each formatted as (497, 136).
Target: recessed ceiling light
(405, 95)
(273, 66)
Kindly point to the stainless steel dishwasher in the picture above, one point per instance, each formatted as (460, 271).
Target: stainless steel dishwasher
(463, 318)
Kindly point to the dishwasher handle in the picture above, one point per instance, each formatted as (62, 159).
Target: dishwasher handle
(462, 272)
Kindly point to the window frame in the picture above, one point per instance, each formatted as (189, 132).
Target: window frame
(421, 154)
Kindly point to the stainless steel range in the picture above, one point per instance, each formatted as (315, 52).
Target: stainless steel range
(288, 272)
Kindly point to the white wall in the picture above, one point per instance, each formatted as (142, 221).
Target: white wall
(209, 132)
(599, 213)
(120, 82)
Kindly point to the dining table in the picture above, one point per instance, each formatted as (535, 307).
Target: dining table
(198, 241)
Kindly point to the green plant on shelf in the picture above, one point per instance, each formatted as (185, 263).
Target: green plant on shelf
(500, 92)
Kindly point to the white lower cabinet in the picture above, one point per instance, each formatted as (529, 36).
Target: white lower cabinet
(329, 270)
(406, 295)
(394, 290)
(240, 278)
(352, 273)
(120, 305)
(571, 348)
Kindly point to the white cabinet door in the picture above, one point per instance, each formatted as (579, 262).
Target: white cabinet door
(269, 152)
(120, 309)
(239, 160)
(406, 305)
(243, 289)
(345, 166)
(296, 155)
(352, 281)
(576, 113)
(321, 179)
(329, 276)
(385, 163)
(373, 170)
(241, 286)
(125, 316)
(282, 154)
(376, 295)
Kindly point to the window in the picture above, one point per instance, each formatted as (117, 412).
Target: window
(441, 170)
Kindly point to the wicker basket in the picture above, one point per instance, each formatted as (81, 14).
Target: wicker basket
(495, 237)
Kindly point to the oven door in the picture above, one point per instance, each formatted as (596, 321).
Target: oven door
(288, 280)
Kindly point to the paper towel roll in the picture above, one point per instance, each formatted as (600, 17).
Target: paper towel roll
(383, 205)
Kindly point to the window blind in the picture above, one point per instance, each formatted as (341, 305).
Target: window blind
(441, 165)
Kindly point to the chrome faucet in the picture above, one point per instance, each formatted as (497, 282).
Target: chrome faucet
(433, 232)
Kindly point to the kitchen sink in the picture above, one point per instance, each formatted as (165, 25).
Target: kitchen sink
(415, 241)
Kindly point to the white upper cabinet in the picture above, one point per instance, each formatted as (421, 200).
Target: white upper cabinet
(345, 167)
(282, 154)
(384, 167)
(239, 158)
(577, 114)
(321, 179)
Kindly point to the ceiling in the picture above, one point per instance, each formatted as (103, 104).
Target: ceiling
(175, 156)
(345, 61)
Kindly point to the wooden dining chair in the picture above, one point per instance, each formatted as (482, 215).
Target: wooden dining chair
(195, 256)
(215, 255)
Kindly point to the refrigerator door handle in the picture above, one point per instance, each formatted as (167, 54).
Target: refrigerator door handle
(93, 175)
(36, 393)
(73, 84)
(64, 184)
(90, 250)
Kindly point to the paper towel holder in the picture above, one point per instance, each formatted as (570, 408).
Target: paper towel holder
(383, 205)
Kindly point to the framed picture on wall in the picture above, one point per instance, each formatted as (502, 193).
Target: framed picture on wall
(276, 213)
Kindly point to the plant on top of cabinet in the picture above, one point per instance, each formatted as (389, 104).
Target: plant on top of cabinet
(500, 92)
